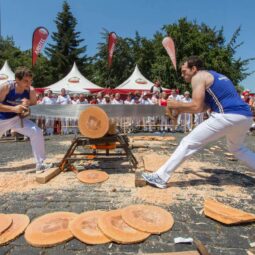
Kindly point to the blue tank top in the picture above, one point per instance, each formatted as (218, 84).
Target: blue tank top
(222, 97)
(13, 98)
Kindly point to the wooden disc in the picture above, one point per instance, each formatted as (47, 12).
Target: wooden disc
(5, 222)
(85, 228)
(92, 176)
(148, 218)
(226, 214)
(50, 229)
(18, 226)
(93, 122)
(115, 228)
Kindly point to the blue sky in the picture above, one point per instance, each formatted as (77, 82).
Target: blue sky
(19, 18)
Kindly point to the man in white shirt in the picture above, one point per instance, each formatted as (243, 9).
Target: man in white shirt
(64, 99)
(186, 118)
(147, 121)
(174, 96)
(49, 123)
(106, 100)
(117, 99)
(129, 99)
(82, 99)
(156, 88)
(75, 99)
(100, 98)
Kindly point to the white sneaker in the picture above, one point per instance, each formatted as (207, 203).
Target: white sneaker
(154, 180)
(43, 167)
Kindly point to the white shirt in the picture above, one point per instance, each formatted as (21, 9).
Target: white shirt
(114, 101)
(186, 100)
(147, 101)
(129, 102)
(154, 100)
(64, 99)
(48, 100)
(84, 102)
(177, 97)
(74, 101)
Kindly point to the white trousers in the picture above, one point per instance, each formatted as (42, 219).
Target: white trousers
(49, 126)
(233, 126)
(30, 130)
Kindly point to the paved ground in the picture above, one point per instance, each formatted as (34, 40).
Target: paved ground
(189, 222)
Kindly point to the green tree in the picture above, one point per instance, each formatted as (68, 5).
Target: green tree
(66, 49)
(121, 66)
(128, 53)
(8, 51)
(198, 39)
(143, 54)
(16, 58)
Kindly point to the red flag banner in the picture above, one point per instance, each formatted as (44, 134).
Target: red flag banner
(168, 44)
(39, 37)
(112, 39)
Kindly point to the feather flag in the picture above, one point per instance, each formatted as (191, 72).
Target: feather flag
(112, 39)
(168, 44)
(40, 35)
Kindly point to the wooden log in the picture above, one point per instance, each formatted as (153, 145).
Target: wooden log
(94, 123)
(47, 175)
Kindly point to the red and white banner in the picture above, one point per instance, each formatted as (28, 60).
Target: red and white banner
(168, 44)
(40, 35)
(112, 39)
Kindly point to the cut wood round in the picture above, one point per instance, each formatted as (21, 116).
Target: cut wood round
(226, 214)
(94, 123)
(92, 176)
(85, 228)
(115, 228)
(50, 229)
(148, 218)
(18, 226)
(5, 222)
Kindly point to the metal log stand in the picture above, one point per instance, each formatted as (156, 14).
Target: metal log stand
(121, 141)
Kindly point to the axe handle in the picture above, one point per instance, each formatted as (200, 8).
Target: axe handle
(23, 115)
(21, 121)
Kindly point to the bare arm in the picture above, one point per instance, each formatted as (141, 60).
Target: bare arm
(198, 95)
(4, 89)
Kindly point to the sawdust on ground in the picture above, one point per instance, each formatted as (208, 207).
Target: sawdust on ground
(180, 186)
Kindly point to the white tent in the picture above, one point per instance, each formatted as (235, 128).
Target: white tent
(74, 82)
(6, 73)
(136, 82)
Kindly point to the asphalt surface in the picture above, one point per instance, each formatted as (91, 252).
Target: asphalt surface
(218, 238)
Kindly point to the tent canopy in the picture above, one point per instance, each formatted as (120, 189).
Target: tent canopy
(136, 82)
(6, 73)
(74, 82)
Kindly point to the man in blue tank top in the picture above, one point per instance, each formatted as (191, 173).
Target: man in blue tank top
(15, 98)
(231, 117)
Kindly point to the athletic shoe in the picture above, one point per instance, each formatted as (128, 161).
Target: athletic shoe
(154, 180)
(43, 167)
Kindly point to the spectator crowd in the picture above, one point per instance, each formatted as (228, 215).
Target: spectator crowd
(156, 96)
